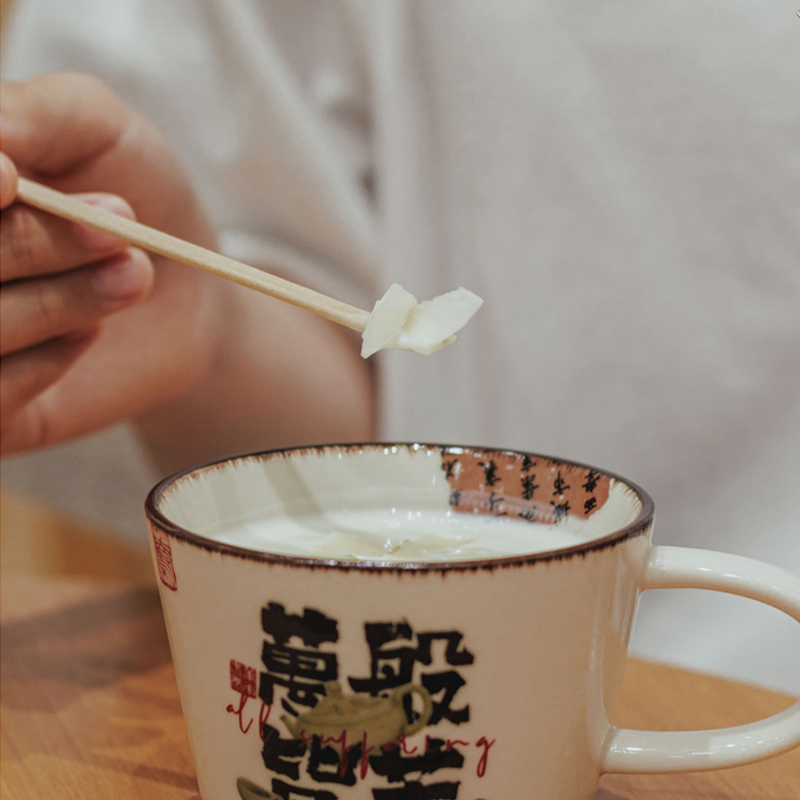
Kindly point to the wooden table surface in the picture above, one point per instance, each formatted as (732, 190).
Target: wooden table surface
(90, 706)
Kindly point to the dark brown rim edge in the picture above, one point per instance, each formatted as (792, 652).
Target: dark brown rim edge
(635, 528)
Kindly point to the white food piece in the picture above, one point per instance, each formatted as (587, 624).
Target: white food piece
(399, 321)
(386, 321)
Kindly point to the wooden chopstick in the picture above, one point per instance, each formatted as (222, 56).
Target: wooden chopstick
(62, 205)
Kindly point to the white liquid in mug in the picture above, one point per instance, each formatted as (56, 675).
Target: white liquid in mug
(400, 535)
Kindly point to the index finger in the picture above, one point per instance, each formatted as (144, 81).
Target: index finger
(34, 243)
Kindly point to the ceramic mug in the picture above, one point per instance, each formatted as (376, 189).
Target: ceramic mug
(329, 678)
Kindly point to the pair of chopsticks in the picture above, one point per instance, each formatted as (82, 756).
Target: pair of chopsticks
(62, 205)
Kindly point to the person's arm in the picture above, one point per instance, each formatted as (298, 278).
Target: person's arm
(203, 367)
(280, 377)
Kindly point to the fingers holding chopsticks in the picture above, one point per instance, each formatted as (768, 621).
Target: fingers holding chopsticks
(57, 276)
(40, 309)
(58, 281)
(35, 243)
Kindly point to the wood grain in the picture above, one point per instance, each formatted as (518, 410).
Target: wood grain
(89, 702)
(36, 538)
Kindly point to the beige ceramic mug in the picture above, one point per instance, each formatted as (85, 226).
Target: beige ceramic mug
(327, 670)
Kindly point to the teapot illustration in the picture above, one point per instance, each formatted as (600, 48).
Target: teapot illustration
(359, 718)
(251, 791)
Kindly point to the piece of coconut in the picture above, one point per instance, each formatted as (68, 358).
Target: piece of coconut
(386, 321)
(398, 321)
(433, 324)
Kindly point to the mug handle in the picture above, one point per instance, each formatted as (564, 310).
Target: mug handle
(693, 751)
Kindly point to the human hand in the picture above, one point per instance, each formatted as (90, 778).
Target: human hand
(93, 331)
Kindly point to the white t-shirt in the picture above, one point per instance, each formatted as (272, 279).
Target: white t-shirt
(620, 184)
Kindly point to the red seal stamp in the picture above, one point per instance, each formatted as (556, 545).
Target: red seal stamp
(166, 569)
(243, 679)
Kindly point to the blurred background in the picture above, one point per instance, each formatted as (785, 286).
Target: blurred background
(101, 481)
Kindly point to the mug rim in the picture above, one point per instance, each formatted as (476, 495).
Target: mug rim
(636, 527)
